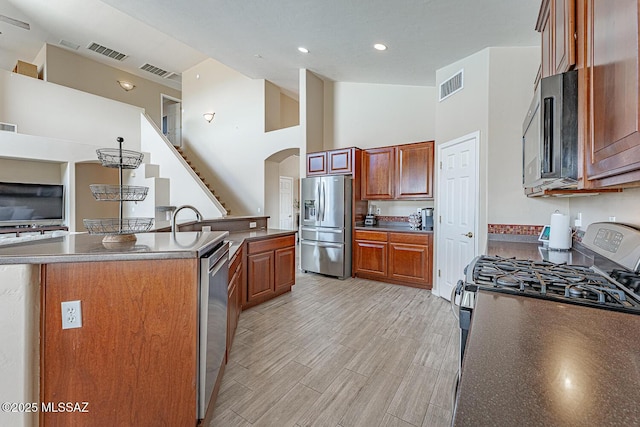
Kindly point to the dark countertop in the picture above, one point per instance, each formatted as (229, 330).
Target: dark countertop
(392, 227)
(86, 247)
(535, 251)
(541, 363)
(236, 238)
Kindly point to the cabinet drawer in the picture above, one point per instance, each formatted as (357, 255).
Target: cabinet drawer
(235, 261)
(271, 244)
(378, 236)
(411, 238)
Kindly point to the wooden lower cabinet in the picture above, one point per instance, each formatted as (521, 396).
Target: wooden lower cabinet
(371, 258)
(270, 269)
(134, 358)
(234, 304)
(402, 258)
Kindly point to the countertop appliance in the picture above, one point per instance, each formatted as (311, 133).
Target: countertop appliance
(612, 283)
(212, 336)
(550, 134)
(370, 218)
(325, 237)
(427, 219)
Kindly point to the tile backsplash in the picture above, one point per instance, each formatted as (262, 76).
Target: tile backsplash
(519, 229)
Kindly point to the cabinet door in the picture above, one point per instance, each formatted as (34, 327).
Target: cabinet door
(563, 35)
(547, 48)
(414, 179)
(410, 263)
(378, 173)
(317, 164)
(137, 340)
(340, 161)
(259, 275)
(232, 311)
(285, 268)
(371, 258)
(613, 143)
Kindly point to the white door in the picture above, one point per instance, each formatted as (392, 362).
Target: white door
(457, 201)
(286, 203)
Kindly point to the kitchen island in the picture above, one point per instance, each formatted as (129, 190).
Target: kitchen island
(138, 336)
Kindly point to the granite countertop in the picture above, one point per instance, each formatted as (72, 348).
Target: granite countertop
(237, 238)
(536, 251)
(402, 227)
(535, 362)
(86, 247)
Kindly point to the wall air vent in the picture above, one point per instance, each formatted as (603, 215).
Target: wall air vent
(155, 70)
(103, 50)
(8, 127)
(451, 86)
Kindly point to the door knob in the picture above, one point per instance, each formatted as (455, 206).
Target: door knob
(469, 234)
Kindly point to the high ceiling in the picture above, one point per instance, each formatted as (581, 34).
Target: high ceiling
(261, 38)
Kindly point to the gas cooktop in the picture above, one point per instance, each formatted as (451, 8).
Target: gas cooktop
(560, 282)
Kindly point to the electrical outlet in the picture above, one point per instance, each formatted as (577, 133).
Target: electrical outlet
(253, 225)
(259, 210)
(377, 211)
(71, 315)
(612, 219)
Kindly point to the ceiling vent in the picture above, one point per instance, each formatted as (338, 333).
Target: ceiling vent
(8, 127)
(451, 86)
(155, 70)
(175, 77)
(103, 50)
(19, 24)
(69, 44)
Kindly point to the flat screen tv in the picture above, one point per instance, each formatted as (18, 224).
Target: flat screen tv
(31, 204)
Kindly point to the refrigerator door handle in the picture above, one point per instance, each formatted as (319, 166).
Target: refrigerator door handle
(324, 201)
(321, 244)
(319, 204)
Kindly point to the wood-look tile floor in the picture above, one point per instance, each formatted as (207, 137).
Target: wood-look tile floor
(341, 353)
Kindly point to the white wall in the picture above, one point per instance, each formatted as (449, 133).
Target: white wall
(52, 111)
(230, 151)
(625, 207)
(374, 115)
(19, 329)
(511, 77)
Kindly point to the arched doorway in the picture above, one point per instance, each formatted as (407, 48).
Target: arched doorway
(282, 188)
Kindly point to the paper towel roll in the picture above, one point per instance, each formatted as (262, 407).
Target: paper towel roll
(560, 233)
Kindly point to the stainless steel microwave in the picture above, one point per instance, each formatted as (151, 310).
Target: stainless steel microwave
(550, 134)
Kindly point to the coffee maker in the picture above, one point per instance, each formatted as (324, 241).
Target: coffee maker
(427, 219)
(370, 218)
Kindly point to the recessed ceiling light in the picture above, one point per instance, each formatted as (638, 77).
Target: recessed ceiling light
(379, 46)
(303, 49)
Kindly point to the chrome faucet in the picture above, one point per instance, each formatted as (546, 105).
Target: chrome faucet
(175, 215)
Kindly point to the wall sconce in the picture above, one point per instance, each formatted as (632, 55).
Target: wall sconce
(127, 86)
(208, 116)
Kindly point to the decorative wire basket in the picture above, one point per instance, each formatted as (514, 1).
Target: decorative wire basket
(127, 193)
(118, 158)
(118, 225)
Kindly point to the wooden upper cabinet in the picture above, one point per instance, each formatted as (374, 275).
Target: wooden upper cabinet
(563, 35)
(317, 163)
(556, 23)
(414, 171)
(612, 152)
(342, 161)
(378, 173)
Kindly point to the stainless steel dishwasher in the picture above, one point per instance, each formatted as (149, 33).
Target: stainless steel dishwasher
(214, 277)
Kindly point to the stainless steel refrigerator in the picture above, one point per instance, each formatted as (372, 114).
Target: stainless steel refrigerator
(325, 235)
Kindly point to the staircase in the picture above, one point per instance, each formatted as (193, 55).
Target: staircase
(184, 156)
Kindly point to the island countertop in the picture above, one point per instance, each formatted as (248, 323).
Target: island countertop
(84, 247)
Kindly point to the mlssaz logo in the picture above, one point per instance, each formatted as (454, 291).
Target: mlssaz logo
(65, 407)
